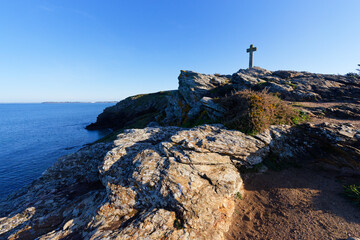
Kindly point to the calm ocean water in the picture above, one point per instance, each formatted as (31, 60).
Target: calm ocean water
(33, 136)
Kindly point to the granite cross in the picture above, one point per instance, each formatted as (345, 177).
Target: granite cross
(250, 51)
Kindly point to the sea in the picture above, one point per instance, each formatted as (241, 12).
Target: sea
(34, 135)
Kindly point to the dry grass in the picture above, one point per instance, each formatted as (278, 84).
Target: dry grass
(253, 112)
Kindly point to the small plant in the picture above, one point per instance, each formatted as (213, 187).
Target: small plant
(177, 224)
(239, 196)
(300, 117)
(293, 85)
(353, 193)
(352, 75)
(264, 84)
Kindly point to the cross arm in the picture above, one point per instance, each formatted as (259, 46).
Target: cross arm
(251, 49)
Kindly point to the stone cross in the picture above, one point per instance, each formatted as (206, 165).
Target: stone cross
(250, 51)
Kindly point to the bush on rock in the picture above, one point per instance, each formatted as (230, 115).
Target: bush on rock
(251, 112)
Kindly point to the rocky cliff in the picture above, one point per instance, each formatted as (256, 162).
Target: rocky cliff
(195, 100)
(171, 182)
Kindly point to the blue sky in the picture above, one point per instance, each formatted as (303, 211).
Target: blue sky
(87, 50)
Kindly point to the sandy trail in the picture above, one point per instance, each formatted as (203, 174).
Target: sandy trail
(295, 203)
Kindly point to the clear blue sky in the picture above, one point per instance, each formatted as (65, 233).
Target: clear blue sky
(72, 50)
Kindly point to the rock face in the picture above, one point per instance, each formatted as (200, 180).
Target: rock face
(304, 86)
(194, 99)
(331, 145)
(135, 111)
(337, 145)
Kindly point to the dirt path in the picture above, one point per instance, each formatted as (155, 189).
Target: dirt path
(316, 120)
(318, 104)
(295, 203)
(321, 119)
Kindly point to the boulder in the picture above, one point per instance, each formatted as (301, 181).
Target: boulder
(193, 86)
(213, 109)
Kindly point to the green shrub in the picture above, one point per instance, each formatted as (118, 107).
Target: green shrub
(353, 75)
(300, 117)
(293, 85)
(353, 193)
(239, 196)
(253, 112)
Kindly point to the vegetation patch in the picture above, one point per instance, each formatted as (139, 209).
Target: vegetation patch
(353, 193)
(300, 117)
(239, 196)
(293, 85)
(252, 112)
(353, 75)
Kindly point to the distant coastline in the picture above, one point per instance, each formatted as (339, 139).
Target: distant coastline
(80, 102)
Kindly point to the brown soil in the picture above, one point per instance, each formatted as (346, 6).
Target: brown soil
(315, 120)
(321, 119)
(295, 203)
(319, 104)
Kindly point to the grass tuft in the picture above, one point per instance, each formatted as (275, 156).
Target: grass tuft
(353, 193)
(238, 195)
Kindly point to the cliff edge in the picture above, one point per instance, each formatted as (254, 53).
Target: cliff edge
(195, 99)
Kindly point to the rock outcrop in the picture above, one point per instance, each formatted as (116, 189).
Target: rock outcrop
(136, 111)
(305, 86)
(164, 182)
(194, 99)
